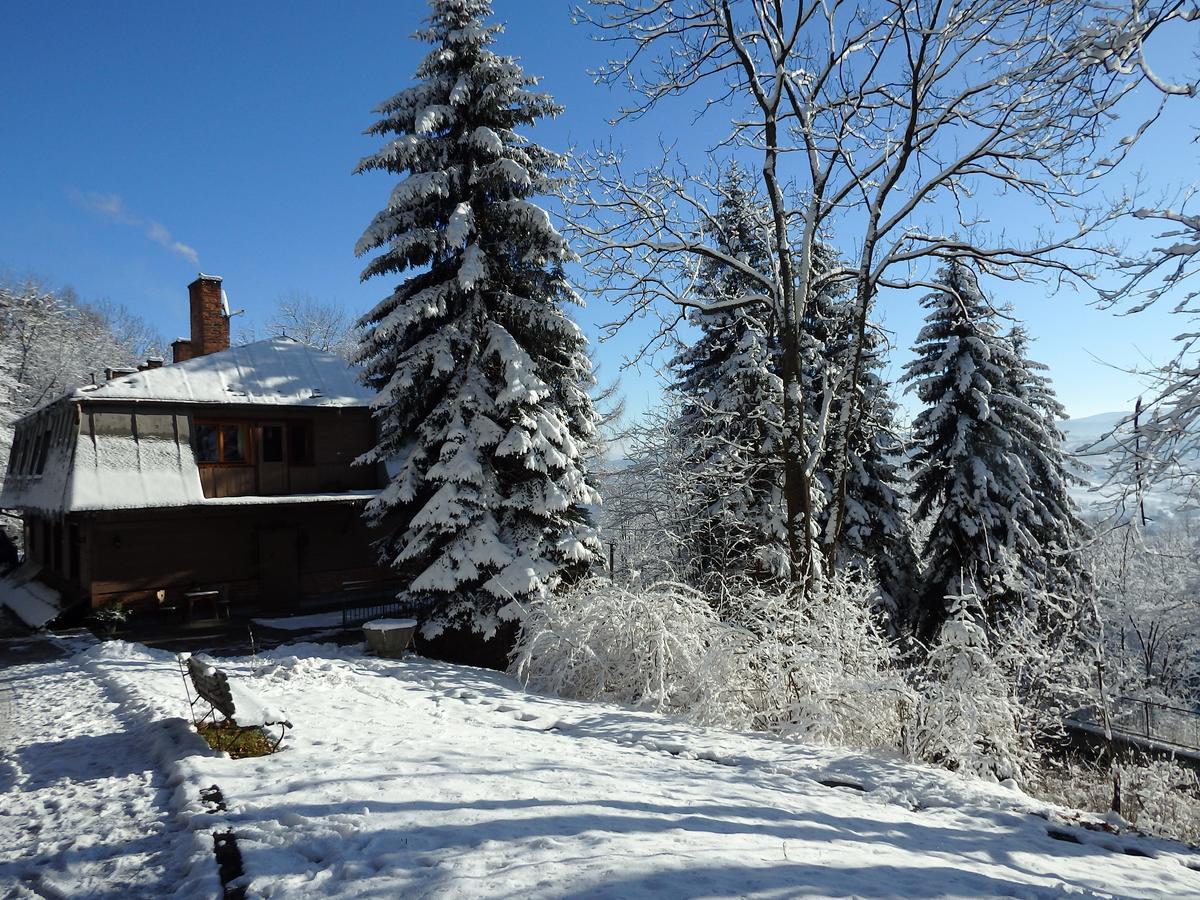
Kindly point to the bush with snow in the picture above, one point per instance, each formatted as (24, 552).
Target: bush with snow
(819, 667)
(748, 659)
(1159, 796)
(660, 647)
(967, 718)
(1146, 583)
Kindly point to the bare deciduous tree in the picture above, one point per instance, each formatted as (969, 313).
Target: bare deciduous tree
(1160, 442)
(885, 125)
(311, 321)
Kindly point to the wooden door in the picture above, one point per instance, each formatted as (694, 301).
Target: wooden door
(272, 460)
(279, 566)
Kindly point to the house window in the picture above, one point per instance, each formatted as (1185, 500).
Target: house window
(208, 444)
(272, 443)
(16, 464)
(43, 451)
(233, 443)
(300, 443)
(220, 443)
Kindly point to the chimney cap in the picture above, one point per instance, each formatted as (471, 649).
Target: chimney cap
(200, 276)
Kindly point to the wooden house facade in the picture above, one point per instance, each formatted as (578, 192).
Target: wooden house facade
(233, 466)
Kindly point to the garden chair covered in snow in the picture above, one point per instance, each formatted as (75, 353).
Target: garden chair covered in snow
(237, 705)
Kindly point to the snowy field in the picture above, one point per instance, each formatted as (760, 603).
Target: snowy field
(419, 779)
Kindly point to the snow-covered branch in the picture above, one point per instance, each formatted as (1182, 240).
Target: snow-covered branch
(903, 116)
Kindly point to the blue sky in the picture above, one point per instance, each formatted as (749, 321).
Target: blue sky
(147, 141)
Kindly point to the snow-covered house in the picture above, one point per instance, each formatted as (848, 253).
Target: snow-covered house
(231, 466)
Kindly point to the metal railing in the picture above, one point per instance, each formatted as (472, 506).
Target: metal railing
(1149, 720)
(394, 609)
(1157, 721)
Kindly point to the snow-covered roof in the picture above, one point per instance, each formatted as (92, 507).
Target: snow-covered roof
(31, 601)
(123, 460)
(279, 371)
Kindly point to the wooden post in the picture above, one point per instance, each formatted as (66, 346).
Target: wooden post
(1103, 694)
(1137, 460)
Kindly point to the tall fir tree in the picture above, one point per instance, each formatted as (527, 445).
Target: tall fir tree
(731, 417)
(969, 482)
(1057, 525)
(483, 409)
(875, 529)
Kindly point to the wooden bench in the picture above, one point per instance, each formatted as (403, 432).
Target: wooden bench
(217, 597)
(211, 685)
(184, 603)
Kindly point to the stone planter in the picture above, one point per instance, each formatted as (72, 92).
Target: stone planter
(389, 637)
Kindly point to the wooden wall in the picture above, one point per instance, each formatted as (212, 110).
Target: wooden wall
(339, 436)
(229, 481)
(131, 556)
(338, 440)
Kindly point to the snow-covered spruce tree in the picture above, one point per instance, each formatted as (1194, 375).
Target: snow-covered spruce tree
(875, 531)
(876, 527)
(968, 482)
(483, 409)
(1056, 523)
(731, 418)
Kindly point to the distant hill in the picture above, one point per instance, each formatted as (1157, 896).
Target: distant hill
(1099, 458)
(1088, 430)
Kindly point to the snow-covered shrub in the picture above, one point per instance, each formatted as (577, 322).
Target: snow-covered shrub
(1157, 795)
(109, 617)
(1146, 583)
(751, 658)
(820, 668)
(1050, 670)
(994, 693)
(1161, 796)
(660, 647)
(967, 718)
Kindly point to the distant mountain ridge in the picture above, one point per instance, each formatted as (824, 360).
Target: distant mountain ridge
(1097, 454)
(1087, 430)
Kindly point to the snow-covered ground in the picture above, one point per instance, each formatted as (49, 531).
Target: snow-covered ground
(414, 778)
(86, 789)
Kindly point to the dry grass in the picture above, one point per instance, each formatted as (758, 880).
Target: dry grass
(238, 742)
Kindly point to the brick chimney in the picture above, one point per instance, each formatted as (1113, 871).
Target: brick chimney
(210, 319)
(181, 349)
